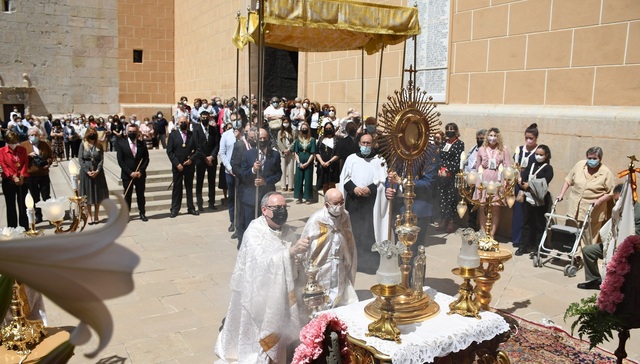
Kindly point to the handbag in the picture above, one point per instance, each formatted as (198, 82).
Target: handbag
(275, 124)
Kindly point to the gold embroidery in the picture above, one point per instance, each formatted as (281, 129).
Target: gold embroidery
(292, 298)
(322, 240)
(270, 341)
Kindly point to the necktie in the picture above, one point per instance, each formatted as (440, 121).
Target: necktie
(133, 149)
(184, 137)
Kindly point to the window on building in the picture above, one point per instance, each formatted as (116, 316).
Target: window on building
(6, 6)
(137, 56)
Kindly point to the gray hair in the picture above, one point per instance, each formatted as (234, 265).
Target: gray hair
(35, 128)
(595, 150)
(265, 199)
(481, 132)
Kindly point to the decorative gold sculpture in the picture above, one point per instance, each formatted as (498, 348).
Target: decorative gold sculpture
(465, 305)
(21, 334)
(494, 192)
(407, 122)
(385, 327)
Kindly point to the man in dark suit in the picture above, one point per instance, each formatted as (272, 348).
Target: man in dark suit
(247, 142)
(260, 169)
(183, 154)
(208, 141)
(133, 159)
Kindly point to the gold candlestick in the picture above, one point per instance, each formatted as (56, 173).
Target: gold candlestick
(491, 264)
(465, 305)
(385, 327)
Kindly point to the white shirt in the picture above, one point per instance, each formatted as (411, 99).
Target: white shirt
(227, 141)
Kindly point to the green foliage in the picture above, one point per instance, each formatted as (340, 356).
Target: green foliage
(597, 325)
(6, 289)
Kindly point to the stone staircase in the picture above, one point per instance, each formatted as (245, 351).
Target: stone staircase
(159, 177)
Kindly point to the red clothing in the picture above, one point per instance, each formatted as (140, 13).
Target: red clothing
(14, 162)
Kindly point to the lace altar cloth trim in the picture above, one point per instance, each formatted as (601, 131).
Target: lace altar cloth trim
(422, 342)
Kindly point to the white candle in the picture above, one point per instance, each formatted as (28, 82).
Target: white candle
(472, 178)
(517, 156)
(500, 170)
(56, 213)
(31, 216)
(74, 184)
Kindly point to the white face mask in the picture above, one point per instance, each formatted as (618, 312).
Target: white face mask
(332, 114)
(335, 210)
(492, 140)
(539, 158)
(305, 105)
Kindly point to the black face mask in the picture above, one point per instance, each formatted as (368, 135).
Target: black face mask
(480, 142)
(352, 132)
(262, 144)
(204, 122)
(280, 216)
(304, 131)
(132, 135)
(92, 137)
(328, 132)
(450, 133)
(184, 126)
(253, 143)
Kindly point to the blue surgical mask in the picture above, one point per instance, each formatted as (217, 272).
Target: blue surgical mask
(365, 150)
(593, 163)
(33, 139)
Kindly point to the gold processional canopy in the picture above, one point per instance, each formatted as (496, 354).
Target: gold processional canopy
(329, 25)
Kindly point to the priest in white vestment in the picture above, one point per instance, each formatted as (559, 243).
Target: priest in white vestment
(362, 183)
(264, 314)
(333, 250)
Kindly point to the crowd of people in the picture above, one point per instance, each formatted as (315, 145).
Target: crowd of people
(305, 148)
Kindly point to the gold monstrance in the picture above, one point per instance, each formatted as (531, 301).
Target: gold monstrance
(408, 121)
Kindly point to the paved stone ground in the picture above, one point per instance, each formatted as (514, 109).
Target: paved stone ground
(182, 293)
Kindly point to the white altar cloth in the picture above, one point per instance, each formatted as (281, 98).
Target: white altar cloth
(438, 336)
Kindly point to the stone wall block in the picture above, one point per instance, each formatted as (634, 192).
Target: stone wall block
(507, 53)
(525, 87)
(463, 5)
(471, 56)
(602, 45)
(633, 43)
(529, 16)
(575, 13)
(461, 28)
(490, 22)
(549, 50)
(617, 85)
(620, 10)
(486, 88)
(572, 86)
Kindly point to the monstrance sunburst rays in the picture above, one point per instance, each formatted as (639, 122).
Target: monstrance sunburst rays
(408, 120)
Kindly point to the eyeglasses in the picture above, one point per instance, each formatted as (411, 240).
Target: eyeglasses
(277, 207)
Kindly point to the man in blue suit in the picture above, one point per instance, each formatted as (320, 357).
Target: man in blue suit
(260, 171)
(423, 203)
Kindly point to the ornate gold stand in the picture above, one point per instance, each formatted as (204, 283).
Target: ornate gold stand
(491, 264)
(21, 335)
(78, 217)
(465, 304)
(385, 327)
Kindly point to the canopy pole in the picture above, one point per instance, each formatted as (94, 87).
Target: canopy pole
(260, 6)
(379, 82)
(237, 67)
(249, 65)
(362, 85)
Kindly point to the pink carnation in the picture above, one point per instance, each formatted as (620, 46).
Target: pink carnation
(312, 336)
(610, 295)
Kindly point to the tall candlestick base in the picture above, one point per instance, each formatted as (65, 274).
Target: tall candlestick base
(492, 263)
(465, 305)
(385, 327)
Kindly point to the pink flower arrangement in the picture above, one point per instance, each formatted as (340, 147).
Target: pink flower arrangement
(610, 295)
(313, 335)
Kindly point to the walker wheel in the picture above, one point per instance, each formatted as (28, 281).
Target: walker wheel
(570, 270)
(536, 261)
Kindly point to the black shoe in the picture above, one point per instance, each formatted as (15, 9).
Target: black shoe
(234, 235)
(594, 284)
(231, 228)
(143, 217)
(521, 251)
(200, 208)
(193, 212)
(173, 214)
(212, 207)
